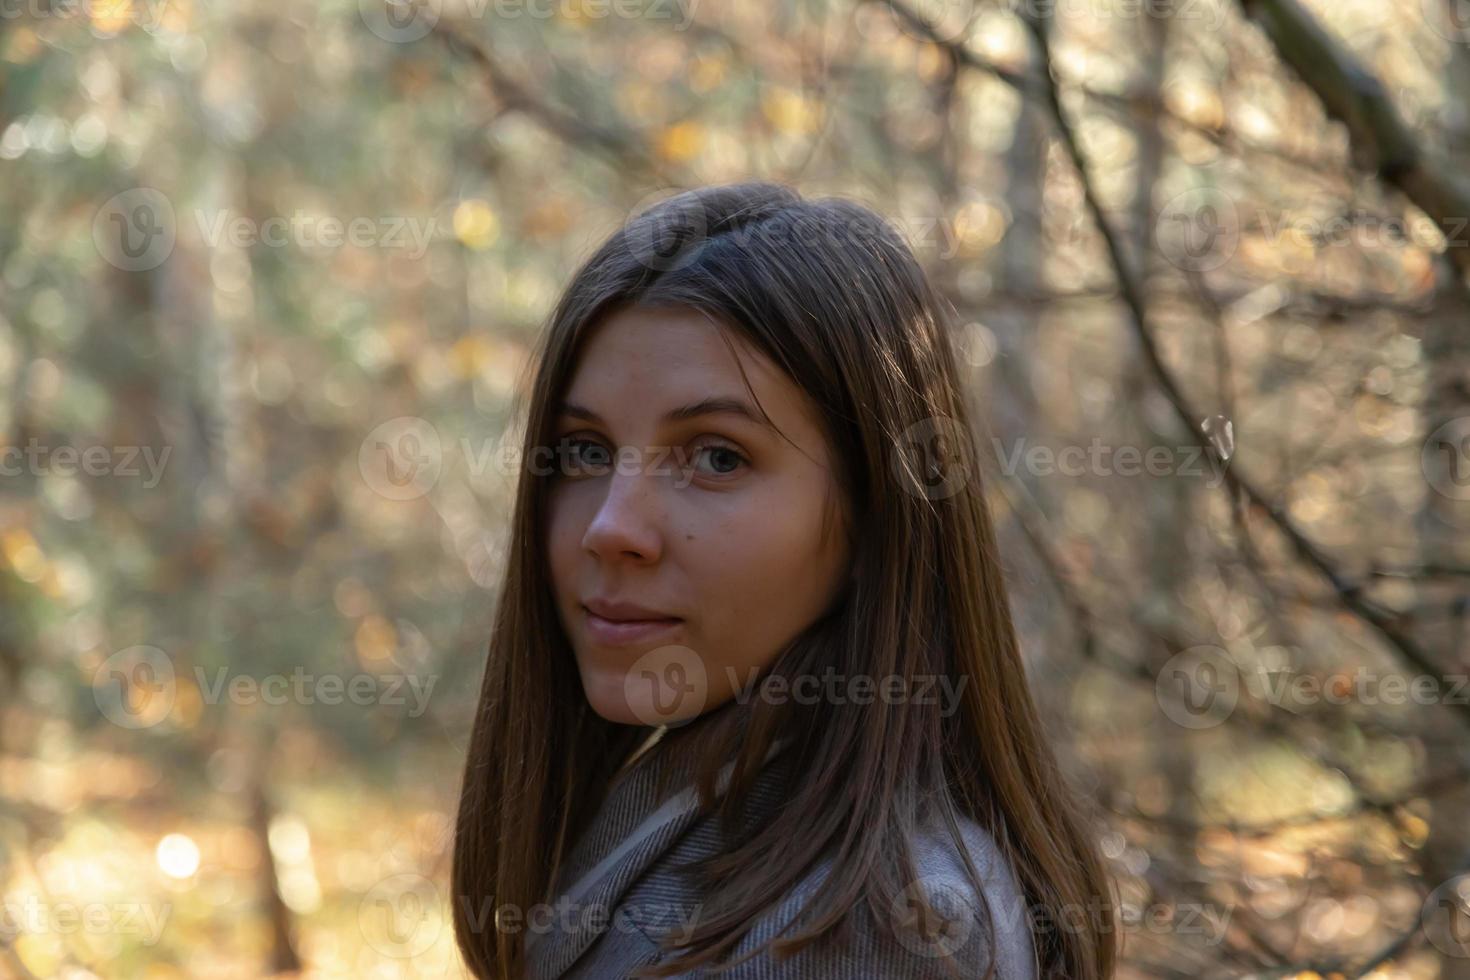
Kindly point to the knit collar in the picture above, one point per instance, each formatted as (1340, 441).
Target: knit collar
(633, 828)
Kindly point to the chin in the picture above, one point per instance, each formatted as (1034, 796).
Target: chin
(614, 711)
(631, 697)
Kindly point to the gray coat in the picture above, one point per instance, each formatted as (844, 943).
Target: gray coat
(620, 889)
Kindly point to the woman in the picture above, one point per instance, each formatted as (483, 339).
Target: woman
(753, 699)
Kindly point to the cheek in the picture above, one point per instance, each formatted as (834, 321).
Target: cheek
(762, 573)
(563, 538)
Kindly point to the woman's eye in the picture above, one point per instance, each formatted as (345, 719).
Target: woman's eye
(723, 459)
(586, 458)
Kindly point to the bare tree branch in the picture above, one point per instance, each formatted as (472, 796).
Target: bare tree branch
(620, 148)
(1349, 594)
(1381, 139)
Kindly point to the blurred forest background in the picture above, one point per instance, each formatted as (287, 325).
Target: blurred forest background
(269, 277)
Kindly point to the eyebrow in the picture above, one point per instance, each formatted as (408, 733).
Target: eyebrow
(718, 405)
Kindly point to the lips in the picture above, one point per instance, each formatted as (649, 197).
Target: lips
(619, 611)
(622, 632)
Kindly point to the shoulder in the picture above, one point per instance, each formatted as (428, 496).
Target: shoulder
(985, 925)
(991, 920)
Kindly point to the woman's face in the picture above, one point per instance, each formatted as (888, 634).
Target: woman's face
(708, 517)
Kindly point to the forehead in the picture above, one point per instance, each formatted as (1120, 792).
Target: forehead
(653, 342)
(655, 360)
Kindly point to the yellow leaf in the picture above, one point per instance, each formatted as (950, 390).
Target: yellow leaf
(475, 224)
(111, 16)
(708, 72)
(1416, 830)
(790, 112)
(468, 355)
(23, 47)
(376, 640)
(681, 141)
(23, 554)
(40, 954)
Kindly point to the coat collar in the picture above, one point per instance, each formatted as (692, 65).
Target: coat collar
(631, 830)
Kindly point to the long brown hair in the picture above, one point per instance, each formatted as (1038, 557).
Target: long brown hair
(832, 294)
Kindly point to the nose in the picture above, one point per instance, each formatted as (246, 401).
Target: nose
(628, 523)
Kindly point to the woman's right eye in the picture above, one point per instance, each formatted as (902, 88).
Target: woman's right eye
(586, 458)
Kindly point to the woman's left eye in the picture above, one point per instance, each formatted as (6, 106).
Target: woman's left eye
(724, 459)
